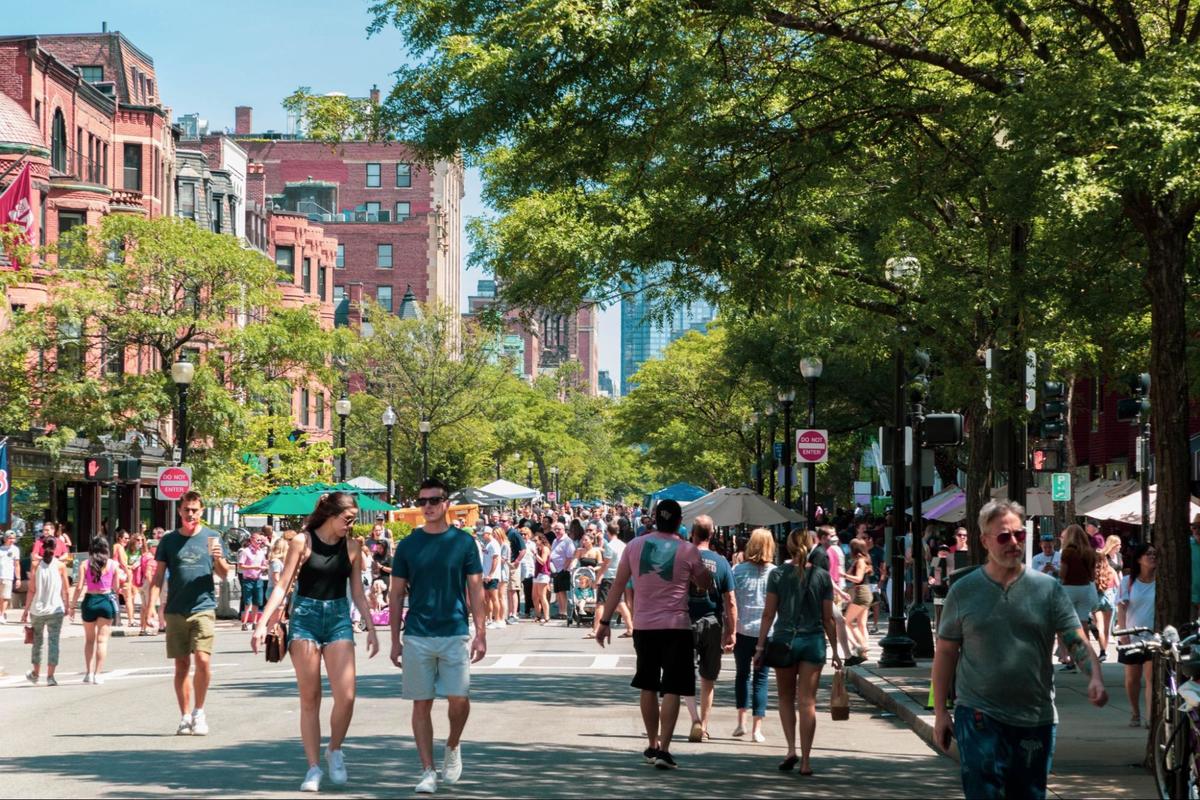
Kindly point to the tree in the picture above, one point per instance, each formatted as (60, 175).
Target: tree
(681, 134)
(136, 292)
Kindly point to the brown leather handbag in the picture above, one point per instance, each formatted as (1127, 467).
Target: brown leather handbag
(275, 643)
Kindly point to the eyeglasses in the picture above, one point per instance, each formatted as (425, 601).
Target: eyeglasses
(430, 501)
(1007, 537)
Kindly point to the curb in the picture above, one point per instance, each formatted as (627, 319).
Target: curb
(879, 692)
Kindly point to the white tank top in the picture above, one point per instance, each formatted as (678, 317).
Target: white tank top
(47, 596)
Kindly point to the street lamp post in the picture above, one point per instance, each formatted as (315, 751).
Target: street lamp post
(770, 412)
(897, 647)
(758, 476)
(786, 397)
(811, 369)
(342, 407)
(554, 484)
(919, 625)
(424, 426)
(529, 475)
(182, 373)
(389, 422)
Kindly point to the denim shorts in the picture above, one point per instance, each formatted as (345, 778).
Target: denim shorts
(998, 760)
(322, 622)
(98, 606)
(809, 648)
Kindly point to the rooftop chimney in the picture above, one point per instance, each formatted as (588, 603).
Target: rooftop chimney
(104, 26)
(243, 125)
(374, 94)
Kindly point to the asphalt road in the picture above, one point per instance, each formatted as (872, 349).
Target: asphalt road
(552, 716)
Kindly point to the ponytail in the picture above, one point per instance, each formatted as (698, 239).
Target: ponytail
(98, 559)
(798, 548)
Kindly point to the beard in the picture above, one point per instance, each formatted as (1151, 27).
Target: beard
(1007, 561)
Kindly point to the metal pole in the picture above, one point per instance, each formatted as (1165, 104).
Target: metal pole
(1145, 477)
(919, 629)
(788, 444)
(896, 646)
(390, 495)
(772, 458)
(424, 455)
(758, 471)
(342, 459)
(811, 477)
(497, 467)
(270, 461)
(182, 435)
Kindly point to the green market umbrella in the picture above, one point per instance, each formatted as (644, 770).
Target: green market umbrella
(298, 501)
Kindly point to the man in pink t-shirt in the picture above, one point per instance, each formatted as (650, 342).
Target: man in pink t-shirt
(662, 566)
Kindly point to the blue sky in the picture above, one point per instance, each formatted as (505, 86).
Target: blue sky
(215, 55)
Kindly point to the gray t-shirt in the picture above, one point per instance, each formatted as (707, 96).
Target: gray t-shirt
(191, 565)
(1007, 637)
(801, 600)
(612, 554)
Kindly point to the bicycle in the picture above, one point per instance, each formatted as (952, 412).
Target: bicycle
(1176, 746)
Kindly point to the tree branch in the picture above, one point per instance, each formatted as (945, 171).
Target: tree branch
(1107, 28)
(1018, 24)
(896, 49)
(1133, 30)
(1179, 22)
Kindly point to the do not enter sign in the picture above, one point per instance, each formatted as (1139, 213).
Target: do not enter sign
(812, 446)
(174, 482)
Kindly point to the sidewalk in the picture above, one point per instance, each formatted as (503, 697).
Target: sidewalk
(1096, 753)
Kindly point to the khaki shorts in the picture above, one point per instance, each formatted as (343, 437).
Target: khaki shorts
(6, 589)
(190, 634)
(436, 666)
(514, 580)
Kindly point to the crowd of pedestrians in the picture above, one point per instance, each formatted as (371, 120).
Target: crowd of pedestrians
(685, 596)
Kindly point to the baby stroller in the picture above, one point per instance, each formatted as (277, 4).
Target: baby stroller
(582, 596)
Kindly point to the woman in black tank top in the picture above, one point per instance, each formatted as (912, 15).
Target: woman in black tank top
(324, 562)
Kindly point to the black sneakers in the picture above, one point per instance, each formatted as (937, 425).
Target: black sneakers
(664, 761)
(651, 755)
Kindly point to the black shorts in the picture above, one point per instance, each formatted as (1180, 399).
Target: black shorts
(706, 636)
(605, 588)
(665, 662)
(1133, 659)
(562, 581)
(491, 585)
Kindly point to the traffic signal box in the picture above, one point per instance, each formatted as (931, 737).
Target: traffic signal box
(97, 468)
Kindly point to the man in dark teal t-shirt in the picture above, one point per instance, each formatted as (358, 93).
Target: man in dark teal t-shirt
(437, 567)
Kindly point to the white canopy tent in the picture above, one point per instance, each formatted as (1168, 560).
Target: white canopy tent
(1098, 493)
(511, 491)
(1128, 509)
(1037, 500)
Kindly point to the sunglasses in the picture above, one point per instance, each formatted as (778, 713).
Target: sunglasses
(430, 501)
(1008, 537)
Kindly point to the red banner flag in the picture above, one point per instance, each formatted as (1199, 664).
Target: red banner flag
(16, 206)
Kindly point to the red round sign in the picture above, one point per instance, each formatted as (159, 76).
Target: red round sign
(811, 445)
(174, 483)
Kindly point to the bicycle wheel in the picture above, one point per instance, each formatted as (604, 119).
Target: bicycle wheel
(1165, 761)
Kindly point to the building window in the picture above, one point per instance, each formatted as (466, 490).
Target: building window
(1097, 402)
(133, 167)
(283, 260)
(403, 176)
(340, 263)
(58, 142)
(322, 277)
(372, 176)
(383, 256)
(92, 73)
(114, 358)
(304, 407)
(187, 199)
(68, 220)
(341, 307)
(383, 295)
(79, 153)
(320, 411)
(403, 211)
(216, 207)
(306, 275)
(37, 113)
(70, 352)
(373, 212)
(104, 165)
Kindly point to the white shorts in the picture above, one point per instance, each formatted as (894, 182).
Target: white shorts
(542, 579)
(6, 589)
(436, 666)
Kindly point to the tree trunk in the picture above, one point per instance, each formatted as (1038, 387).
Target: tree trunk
(979, 473)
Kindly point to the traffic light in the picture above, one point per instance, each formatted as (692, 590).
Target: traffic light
(97, 468)
(129, 469)
(1054, 410)
(1130, 409)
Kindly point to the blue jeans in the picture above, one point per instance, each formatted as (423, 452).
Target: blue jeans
(745, 687)
(1000, 760)
(320, 621)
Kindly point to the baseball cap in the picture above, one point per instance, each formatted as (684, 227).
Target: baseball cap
(667, 516)
(1047, 537)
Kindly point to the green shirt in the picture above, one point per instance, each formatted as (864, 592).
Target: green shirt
(1007, 638)
(191, 571)
(801, 600)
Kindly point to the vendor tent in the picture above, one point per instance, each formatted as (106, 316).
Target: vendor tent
(680, 492)
(1098, 493)
(295, 501)
(1128, 509)
(364, 484)
(948, 505)
(510, 491)
(1037, 500)
(479, 497)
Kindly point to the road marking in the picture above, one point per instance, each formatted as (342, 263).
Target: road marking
(605, 662)
(113, 675)
(510, 661)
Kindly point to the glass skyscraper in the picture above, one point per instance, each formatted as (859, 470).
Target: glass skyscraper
(643, 338)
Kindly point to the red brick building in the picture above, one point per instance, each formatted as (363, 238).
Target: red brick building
(398, 224)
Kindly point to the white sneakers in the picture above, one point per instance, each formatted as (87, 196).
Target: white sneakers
(739, 731)
(97, 678)
(312, 780)
(185, 726)
(452, 766)
(428, 782)
(758, 737)
(337, 767)
(199, 723)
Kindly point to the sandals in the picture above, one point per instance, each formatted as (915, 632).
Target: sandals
(626, 635)
(1135, 721)
(789, 763)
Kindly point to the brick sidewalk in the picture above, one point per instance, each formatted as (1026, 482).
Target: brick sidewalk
(1096, 754)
